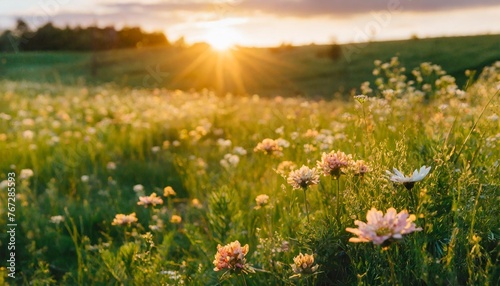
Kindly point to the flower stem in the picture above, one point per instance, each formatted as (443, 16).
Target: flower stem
(244, 280)
(391, 267)
(305, 202)
(338, 199)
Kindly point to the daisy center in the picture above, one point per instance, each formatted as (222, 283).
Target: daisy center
(383, 231)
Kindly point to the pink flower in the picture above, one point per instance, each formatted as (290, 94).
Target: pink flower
(153, 199)
(269, 147)
(121, 219)
(334, 163)
(231, 257)
(380, 228)
(359, 168)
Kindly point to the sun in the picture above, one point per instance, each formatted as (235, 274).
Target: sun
(221, 38)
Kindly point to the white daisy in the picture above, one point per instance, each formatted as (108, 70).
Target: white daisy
(408, 182)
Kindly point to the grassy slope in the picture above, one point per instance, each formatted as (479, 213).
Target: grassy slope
(290, 71)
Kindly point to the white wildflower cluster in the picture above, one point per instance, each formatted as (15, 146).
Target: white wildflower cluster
(230, 161)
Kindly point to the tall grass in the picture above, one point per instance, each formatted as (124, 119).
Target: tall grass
(89, 148)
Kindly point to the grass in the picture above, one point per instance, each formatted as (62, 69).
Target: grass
(267, 72)
(89, 148)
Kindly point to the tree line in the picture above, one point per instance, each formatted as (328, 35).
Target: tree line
(52, 38)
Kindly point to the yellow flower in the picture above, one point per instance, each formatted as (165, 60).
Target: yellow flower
(168, 191)
(196, 203)
(175, 219)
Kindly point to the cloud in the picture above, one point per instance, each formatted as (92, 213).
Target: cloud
(302, 8)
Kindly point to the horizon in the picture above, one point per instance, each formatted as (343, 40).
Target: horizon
(255, 23)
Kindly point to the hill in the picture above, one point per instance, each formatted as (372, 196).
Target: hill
(283, 71)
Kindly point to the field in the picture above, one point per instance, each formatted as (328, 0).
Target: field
(287, 71)
(137, 186)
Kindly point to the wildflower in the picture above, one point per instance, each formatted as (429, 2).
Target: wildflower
(155, 149)
(85, 179)
(169, 191)
(303, 264)
(57, 219)
(283, 143)
(269, 147)
(285, 167)
(361, 98)
(196, 203)
(408, 182)
(280, 130)
(4, 184)
(111, 166)
(150, 200)
(239, 151)
(159, 223)
(121, 219)
(28, 134)
(303, 177)
(334, 163)
(175, 219)
(224, 143)
(231, 257)
(359, 168)
(229, 161)
(165, 145)
(379, 228)
(138, 188)
(262, 201)
(26, 174)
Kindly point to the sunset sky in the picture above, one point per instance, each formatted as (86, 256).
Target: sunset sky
(268, 23)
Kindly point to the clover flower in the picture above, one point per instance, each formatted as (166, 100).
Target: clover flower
(303, 177)
(303, 264)
(121, 219)
(334, 163)
(57, 219)
(26, 174)
(269, 147)
(229, 161)
(382, 229)
(285, 167)
(231, 257)
(261, 201)
(153, 199)
(408, 182)
(359, 168)
(138, 188)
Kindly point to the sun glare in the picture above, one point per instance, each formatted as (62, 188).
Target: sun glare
(221, 38)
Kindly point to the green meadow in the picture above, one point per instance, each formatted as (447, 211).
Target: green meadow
(286, 70)
(302, 175)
